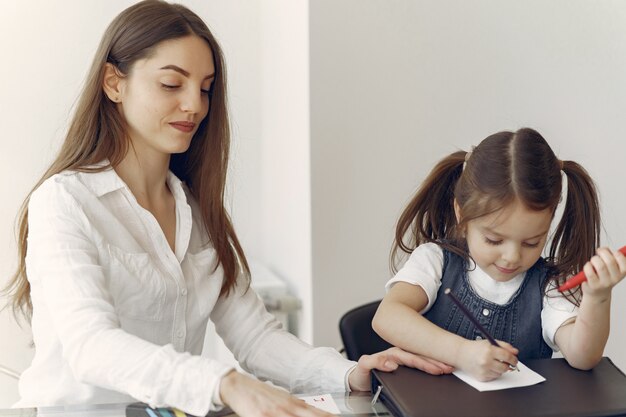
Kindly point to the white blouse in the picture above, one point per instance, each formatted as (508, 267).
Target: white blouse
(425, 268)
(119, 317)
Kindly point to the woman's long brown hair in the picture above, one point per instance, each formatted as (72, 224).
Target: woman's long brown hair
(98, 132)
(504, 167)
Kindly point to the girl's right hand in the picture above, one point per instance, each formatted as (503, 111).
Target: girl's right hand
(249, 397)
(484, 361)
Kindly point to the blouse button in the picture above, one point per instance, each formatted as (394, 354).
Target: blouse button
(479, 338)
(179, 333)
(485, 312)
(183, 291)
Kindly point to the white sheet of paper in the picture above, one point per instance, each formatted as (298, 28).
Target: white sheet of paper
(511, 379)
(323, 402)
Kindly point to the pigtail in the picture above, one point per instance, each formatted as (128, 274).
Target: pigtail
(578, 233)
(429, 216)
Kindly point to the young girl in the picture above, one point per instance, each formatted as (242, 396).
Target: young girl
(478, 225)
(126, 250)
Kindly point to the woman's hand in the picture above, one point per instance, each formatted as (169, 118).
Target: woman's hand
(604, 271)
(485, 361)
(388, 360)
(248, 397)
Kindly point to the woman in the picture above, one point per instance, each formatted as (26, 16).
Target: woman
(126, 249)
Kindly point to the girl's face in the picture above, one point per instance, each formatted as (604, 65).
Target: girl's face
(164, 97)
(509, 241)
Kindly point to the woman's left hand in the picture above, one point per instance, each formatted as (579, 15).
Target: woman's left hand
(388, 360)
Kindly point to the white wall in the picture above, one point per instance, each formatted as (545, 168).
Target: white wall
(396, 85)
(285, 173)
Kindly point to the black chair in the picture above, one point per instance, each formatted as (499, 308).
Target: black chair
(357, 334)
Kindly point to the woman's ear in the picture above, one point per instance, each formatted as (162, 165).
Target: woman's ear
(112, 83)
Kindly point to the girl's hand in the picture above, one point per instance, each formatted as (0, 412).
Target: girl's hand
(388, 360)
(485, 361)
(248, 397)
(604, 271)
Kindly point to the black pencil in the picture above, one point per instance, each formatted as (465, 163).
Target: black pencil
(473, 319)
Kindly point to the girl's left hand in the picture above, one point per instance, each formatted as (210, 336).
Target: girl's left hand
(604, 271)
(388, 360)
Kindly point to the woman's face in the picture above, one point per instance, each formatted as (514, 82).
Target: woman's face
(164, 97)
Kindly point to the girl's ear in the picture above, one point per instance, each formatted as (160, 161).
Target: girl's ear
(457, 211)
(112, 83)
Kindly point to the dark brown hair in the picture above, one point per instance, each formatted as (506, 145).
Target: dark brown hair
(504, 167)
(98, 132)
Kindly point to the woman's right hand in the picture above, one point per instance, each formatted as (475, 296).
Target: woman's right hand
(249, 397)
(484, 361)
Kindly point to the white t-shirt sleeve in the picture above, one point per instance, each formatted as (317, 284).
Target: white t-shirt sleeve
(423, 268)
(556, 310)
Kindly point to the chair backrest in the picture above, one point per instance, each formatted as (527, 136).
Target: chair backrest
(357, 334)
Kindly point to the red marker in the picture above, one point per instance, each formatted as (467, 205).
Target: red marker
(579, 278)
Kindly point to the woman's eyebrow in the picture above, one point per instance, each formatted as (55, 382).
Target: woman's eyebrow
(183, 72)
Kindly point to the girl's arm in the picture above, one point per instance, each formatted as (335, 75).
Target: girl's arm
(399, 322)
(582, 341)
